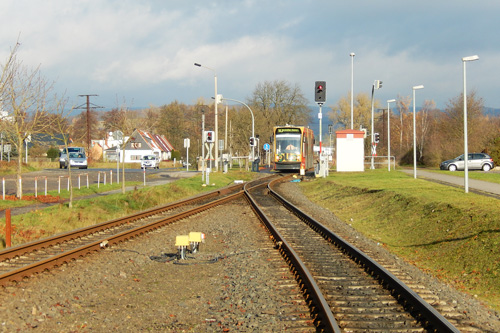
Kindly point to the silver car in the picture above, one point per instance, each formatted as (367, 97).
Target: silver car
(475, 161)
(76, 160)
(150, 161)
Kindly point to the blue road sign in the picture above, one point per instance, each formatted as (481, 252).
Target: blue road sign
(267, 146)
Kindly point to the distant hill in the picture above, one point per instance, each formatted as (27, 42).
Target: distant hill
(492, 111)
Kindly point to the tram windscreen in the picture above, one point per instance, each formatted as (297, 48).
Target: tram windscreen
(287, 143)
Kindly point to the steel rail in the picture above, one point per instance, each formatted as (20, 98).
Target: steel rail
(69, 255)
(406, 296)
(319, 306)
(22, 249)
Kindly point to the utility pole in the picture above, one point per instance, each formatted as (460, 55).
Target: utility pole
(87, 104)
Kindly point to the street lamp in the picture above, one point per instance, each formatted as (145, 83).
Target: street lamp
(415, 133)
(389, 134)
(216, 115)
(253, 121)
(352, 89)
(466, 150)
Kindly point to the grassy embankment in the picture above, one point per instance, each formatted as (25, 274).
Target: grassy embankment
(85, 212)
(453, 235)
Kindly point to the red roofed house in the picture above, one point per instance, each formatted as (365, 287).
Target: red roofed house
(144, 143)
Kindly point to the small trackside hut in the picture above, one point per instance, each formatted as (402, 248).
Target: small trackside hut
(293, 148)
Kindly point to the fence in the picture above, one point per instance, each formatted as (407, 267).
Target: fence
(53, 182)
(379, 161)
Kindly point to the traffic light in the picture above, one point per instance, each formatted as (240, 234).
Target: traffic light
(377, 84)
(252, 141)
(320, 91)
(210, 136)
(377, 138)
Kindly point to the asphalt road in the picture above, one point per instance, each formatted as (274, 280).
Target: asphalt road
(479, 186)
(58, 178)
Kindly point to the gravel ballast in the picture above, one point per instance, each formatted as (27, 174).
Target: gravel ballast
(235, 283)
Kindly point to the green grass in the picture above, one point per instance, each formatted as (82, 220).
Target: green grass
(85, 212)
(479, 175)
(444, 231)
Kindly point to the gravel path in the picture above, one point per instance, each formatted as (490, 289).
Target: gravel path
(122, 289)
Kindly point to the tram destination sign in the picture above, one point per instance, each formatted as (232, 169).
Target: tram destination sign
(288, 130)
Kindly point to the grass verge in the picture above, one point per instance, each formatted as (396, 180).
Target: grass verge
(442, 230)
(479, 175)
(59, 218)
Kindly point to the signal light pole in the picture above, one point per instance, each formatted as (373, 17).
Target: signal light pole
(376, 85)
(320, 98)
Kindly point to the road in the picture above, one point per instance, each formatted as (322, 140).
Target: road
(479, 186)
(58, 178)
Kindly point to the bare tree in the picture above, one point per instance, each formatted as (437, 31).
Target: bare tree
(278, 103)
(121, 119)
(341, 112)
(24, 94)
(424, 126)
(59, 127)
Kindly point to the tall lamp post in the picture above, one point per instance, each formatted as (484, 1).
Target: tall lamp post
(216, 115)
(253, 121)
(389, 134)
(352, 89)
(415, 133)
(203, 139)
(466, 150)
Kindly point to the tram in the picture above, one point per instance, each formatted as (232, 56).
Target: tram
(293, 148)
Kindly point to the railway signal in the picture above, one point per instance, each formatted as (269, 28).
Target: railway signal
(320, 91)
(377, 138)
(210, 136)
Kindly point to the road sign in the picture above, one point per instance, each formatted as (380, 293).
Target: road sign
(267, 146)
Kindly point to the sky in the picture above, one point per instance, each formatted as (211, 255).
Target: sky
(142, 53)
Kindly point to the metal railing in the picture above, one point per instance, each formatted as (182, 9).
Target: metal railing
(379, 161)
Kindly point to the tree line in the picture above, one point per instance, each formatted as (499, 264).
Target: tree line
(30, 107)
(439, 133)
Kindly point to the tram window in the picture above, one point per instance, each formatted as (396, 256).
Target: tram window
(288, 144)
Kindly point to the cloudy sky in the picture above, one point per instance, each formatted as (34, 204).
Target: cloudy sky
(142, 53)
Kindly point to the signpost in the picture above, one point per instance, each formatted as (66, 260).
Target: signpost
(266, 148)
(186, 145)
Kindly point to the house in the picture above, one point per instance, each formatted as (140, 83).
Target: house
(107, 147)
(143, 143)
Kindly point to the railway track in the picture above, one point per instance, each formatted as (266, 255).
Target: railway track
(20, 262)
(347, 290)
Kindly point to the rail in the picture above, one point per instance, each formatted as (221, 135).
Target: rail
(399, 290)
(324, 314)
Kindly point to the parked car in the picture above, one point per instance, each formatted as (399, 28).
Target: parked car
(475, 161)
(150, 161)
(63, 155)
(76, 160)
